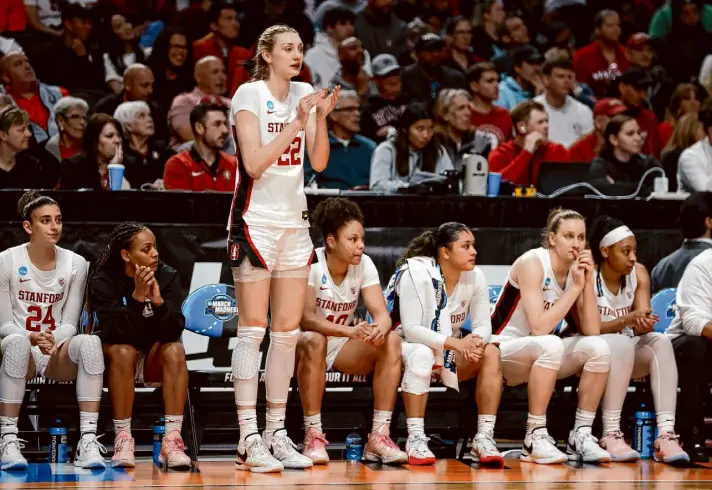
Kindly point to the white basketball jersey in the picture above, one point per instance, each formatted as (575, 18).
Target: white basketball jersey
(277, 198)
(38, 297)
(508, 319)
(612, 306)
(459, 301)
(338, 303)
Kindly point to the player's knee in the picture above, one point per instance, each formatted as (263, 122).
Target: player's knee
(418, 369)
(551, 351)
(246, 354)
(174, 355)
(598, 354)
(122, 356)
(85, 350)
(311, 345)
(393, 347)
(16, 355)
(491, 356)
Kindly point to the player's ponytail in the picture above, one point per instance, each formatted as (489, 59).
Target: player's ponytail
(120, 239)
(428, 243)
(30, 201)
(334, 213)
(265, 44)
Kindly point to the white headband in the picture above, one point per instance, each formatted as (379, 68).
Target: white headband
(615, 236)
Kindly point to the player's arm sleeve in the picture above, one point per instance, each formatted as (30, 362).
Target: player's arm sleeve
(117, 321)
(75, 299)
(412, 314)
(7, 321)
(169, 316)
(694, 297)
(480, 307)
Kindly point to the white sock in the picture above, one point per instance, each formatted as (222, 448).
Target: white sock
(381, 418)
(416, 426)
(583, 419)
(247, 420)
(88, 422)
(275, 421)
(123, 425)
(8, 426)
(485, 424)
(611, 421)
(174, 423)
(535, 422)
(666, 422)
(313, 421)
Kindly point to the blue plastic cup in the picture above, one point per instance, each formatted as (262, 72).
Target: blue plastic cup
(116, 176)
(494, 179)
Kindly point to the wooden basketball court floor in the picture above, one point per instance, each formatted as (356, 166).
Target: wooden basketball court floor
(445, 474)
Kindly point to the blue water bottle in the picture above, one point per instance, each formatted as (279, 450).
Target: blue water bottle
(644, 432)
(159, 431)
(58, 443)
(354, 447)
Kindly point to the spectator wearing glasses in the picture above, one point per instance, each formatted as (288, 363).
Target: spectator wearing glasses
(350, 157)
(459, 55)
(71, 117)
(382, 111)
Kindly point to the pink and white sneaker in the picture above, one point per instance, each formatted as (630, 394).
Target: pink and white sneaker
(315, 446)
(173, 452)
(124, 451)
(381, 448)
(619, 450)
(668, 449)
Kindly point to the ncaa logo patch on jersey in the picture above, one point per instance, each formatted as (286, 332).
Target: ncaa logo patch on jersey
(323, 279)
(270, 107)
(22, 271)
(234, 251)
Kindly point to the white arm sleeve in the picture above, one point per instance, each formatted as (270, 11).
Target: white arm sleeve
(694, 297)
(480, 307)
(75, 300)
(7, 320)
(411, 315)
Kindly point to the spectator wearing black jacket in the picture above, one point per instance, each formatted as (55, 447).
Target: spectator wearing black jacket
(136, 301)
(425, 78)
(381, 112)
(619, 167)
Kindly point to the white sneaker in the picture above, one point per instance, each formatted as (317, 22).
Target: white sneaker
(418, 451)
(540, 447)
(10, 456)
(255, 457)
(484, 450)
(284, 450)
(582, 446)
(90, 453)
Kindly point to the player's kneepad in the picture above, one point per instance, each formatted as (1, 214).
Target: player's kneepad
(552, 351)
(246, 354)
(418, 360)
(599, 355)
(16, 355)
(92, 356)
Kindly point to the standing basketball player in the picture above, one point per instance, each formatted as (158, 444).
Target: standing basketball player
(446, 258)
(622, 288)
(342, 274)
(546, 285)
(41, 298)
(269, 246)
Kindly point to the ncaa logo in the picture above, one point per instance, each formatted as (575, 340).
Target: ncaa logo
(234, 251)
(221, 307)
(22, 271)
(270, 105)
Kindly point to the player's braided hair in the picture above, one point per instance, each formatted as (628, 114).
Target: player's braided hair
(600, 228)
(428, 243)
(332, 214)
(121, 238)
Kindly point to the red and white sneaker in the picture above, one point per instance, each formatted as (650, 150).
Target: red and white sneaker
(619, 450)
(173, 452)
(124, 451)
(381, 448)
(315, 446)
(484, 450)
(418, 451)
(668, 449)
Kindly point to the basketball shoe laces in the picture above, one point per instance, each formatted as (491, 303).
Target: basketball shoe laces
(542, 436)
(387, 441)
(121, 442)
(174, 444)
(284, 442)
(12, 445)
(487, 443)
(259, 449)
(316, 441)
(420, 443)
(92, 443)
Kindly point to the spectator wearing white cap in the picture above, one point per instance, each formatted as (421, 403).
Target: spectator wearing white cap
(382, 111)
(425, 78)
(569, 119)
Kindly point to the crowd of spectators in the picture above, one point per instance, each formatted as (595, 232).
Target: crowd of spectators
(620, 84)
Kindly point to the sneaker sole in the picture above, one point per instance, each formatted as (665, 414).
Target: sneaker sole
(683, 458)
(94, 465)
(630, 458)
(19, 466)
(123, 464)
(528, 458)
(175, 466)
(487, 460)
(259, 469)
(379, 459)
(319, 460)
(298, 466)
(421, 461)
(578, 457)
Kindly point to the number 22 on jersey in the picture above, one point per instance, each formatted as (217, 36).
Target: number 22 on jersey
(35, 320)
(292, 156)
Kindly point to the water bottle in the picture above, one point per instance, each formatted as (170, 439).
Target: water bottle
(159, 431)
(644, 432)
(475, 179)
(354, 447)
(58, 443)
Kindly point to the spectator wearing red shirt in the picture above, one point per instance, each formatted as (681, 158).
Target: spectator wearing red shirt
(225, 28)
(32, 96)
(518, 160)
(204, 167)
(588, 147)
(633, 88)
(483, 81)
(12, 16)
(604, 59)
